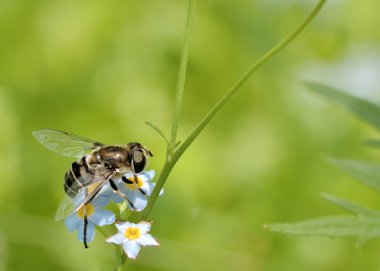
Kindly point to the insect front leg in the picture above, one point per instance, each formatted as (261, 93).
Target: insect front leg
(117, 191)
(135, 182)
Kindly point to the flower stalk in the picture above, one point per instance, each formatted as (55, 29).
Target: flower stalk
(182, 73)
(173, 155)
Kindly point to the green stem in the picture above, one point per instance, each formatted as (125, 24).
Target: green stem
(182, 73)
(254, 67)
(119, 258)
(125, 263)
(168, 166)
(172, 157)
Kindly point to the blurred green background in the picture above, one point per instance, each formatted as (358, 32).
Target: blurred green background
(101, 68)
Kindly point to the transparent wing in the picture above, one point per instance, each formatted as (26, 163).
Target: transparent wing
(69, 205)
(65, 144)
(86, 193)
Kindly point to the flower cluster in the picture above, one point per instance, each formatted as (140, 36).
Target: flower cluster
(136, 188)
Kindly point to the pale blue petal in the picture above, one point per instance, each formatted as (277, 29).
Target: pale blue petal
(149, 175)
(106, 192)
(101, 200)
(102, 217)
(116, 198)
(148, 240)
(110, 193)
(104, 189)
(147, 187)
(124, 188)
(131, 248)
(72, 222)
(138, 200)
(90, 232)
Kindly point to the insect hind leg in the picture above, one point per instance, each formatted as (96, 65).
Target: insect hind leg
(85, 223)
(117, 191)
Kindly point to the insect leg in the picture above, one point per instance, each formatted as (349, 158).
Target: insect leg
(135, 181)
(117, 191)
(85, 222)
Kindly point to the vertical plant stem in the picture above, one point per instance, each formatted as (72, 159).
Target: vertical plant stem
(118, 253)
(182, 74)
(119, 258)
(168, 166)
(254, 67)
(174, 156)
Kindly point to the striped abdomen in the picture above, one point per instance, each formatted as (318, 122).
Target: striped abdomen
(78, 175)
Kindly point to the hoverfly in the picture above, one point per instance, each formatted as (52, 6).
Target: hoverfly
(97, 165)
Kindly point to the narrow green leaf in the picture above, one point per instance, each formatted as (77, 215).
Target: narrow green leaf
(366, 110)
(367, 173)
(158, 130)
(363, 228)
(352, 207)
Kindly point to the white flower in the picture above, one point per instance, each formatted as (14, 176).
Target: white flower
(135, 190)
(95, 216)
(132, 236)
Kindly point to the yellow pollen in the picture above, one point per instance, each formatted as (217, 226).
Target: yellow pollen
(136, 181)
(132, 233)
(89, 210)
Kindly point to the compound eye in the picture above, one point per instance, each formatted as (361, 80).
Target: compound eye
(138, 161)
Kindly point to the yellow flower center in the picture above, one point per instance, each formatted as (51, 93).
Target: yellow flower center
(132, 233)
(137, 182)
(89, 210)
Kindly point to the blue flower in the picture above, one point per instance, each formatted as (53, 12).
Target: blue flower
(135, 190)
(95, 216)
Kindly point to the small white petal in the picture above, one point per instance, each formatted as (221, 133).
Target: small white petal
(148, 240)
(72, 222)
(143, 226)
(118, 238)
(90, 232)
(122, 226)
(131, 248)
(102, 217)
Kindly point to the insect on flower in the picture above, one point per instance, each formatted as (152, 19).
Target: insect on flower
(131, 185)
(98, 164)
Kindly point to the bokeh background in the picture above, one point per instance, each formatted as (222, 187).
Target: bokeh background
(101, 68)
